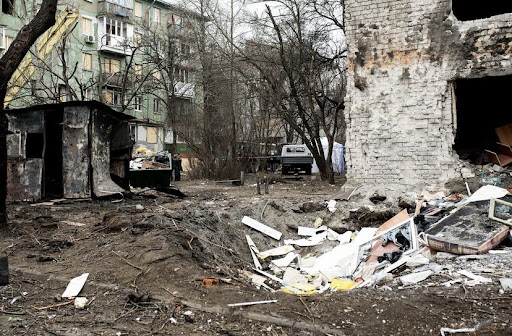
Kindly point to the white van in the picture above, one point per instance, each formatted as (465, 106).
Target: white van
(296, 158)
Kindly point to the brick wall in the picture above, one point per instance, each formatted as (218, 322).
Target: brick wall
(403, 57)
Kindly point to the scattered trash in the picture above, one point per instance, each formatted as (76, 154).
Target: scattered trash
(506, 284)
(211, 282)
(453, 229)
(14, 319)
(254, 252)
(261, 227)
(466, 330)
(75, 286)
(342, 284)
(414, 278)
(331, 205)
(278, 251)
(81, 302)
(250, 303)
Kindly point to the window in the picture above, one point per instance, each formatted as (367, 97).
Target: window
(137, 39)
(112, 95)
(133, 131)
(8, 41)
(87, 26)
(137, 10)
(63, 93)
(87, 61)
(156, 105)
(156, 15)
(114, 27)
(112, 65)
(8, 7)
(138, 70)
(465, 10)
(151, 136)
(62, 55)
(34, 145)
(175, 19)
(88, 94)
(137, 106)
(181, 75)
(185, 49)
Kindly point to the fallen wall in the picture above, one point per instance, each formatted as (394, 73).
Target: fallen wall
(404, 56)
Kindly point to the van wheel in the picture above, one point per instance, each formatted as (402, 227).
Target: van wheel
(308, 171)
(284, 171)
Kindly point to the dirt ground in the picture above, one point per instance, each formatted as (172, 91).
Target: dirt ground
(147, 257)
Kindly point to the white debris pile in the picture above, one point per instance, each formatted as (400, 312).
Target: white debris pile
(393, 254)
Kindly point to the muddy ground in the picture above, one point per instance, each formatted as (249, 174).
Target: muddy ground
(147, 257)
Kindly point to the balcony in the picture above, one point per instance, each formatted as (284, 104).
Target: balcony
(185, 90)
(122, 8)
(115, 44)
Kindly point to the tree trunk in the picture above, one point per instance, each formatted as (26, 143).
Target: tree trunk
(44, 19)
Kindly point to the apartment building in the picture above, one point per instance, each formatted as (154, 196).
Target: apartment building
(136, 56)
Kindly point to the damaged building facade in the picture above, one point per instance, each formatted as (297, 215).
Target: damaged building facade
(427, 86)
(67, 150)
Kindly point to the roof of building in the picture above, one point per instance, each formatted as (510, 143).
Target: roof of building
(89, 103)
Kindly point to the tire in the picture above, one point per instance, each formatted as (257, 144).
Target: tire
(308, 170)
(285, 171)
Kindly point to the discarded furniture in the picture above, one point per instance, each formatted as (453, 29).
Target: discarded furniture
(504, 156)
(468, 230)
(492, 211)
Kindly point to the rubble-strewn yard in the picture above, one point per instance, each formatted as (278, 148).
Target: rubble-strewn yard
(148, 256)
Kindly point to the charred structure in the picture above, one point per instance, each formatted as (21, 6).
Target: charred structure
(67, 150)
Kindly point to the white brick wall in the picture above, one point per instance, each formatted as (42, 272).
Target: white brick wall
(403, 55)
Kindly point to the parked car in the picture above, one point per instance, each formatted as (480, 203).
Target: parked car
(296, 158)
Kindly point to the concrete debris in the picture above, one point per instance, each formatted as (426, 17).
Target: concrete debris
(506, 284)
(414, 278)
(448, 237)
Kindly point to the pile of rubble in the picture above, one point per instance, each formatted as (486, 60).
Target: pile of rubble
(437, 240)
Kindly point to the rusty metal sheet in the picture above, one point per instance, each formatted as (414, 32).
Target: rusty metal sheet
(24, 180)
(14, 145)
(101, 134)
(75, 152)
(25, 122)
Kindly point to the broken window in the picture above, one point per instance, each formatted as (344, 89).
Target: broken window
(151, 135)
(87, 26)
(481, 107)
(111, 65)
(34, 145)
(87, 61)
(466, 10)
(8, 7)
(137, 10)
(112, 95)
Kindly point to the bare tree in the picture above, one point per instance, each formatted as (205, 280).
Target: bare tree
(303, 66)
(44, 19)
